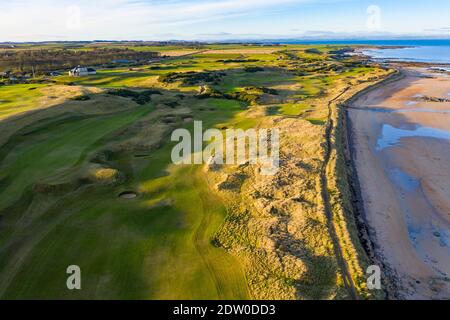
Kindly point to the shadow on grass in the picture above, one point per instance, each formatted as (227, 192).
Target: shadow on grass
(36, 224)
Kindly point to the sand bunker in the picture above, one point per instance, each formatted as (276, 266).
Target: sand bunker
(169, 120)
(142, 155)
(128, 195)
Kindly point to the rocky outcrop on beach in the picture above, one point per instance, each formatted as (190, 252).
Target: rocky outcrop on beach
(432, 99)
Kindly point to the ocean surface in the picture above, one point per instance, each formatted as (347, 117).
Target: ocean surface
(412, 43)
(431, 51)
(431, 54)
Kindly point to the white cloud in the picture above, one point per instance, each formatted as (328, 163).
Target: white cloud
(117, 19)
(37, 20)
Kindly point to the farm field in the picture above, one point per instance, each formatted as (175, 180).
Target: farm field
(86, 179)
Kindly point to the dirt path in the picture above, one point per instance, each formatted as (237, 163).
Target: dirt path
(400, 149)
(348, 281)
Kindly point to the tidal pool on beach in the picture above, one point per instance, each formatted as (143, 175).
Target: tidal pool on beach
(404, 180)
(391, 136)
(425, 111)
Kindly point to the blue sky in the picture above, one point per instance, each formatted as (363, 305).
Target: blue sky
(39, 20)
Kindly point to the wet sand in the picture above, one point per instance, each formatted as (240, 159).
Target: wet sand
(401, 151)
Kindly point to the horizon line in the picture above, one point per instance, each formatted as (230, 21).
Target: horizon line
(250, 40)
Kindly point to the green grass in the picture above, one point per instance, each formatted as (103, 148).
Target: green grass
(109, 78)
(56, 149)
(195, 269)
(240, 78)
(294, 109)
(126, 249)
(159, 245)
(317, 122)
(18, 98)
(142, 250)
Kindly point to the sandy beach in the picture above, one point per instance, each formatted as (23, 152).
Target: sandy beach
(401, 149)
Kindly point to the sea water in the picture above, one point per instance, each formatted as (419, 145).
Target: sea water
(391, 136)
(422, 50)
(429, 54)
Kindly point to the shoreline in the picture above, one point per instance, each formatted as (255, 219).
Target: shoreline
(356, 198)
(399, 62)
(392, 282)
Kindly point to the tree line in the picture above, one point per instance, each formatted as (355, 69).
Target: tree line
(43, 60)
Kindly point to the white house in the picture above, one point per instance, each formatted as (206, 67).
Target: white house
(81, 71)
